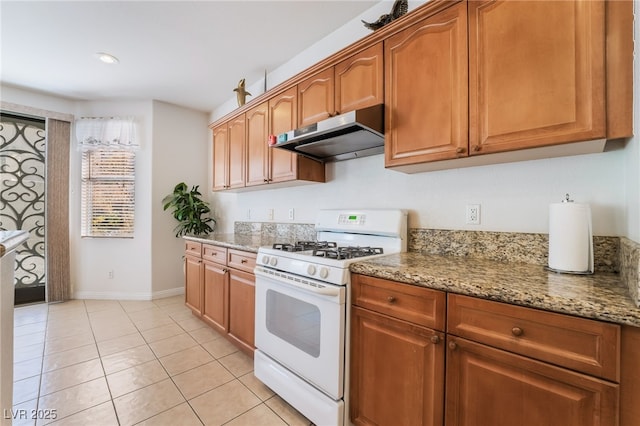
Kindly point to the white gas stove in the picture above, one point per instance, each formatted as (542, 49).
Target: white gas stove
(302, 299)
(343, 237)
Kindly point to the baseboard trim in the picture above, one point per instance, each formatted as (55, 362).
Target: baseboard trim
(108, 295)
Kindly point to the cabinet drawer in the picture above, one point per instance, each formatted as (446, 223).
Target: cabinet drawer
(193, 248)
(418, 305)
(589, 346)
(214, 254)
(243, 260)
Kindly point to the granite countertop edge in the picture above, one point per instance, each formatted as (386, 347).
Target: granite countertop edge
(600, 296)
(249, 243)
(9, 240)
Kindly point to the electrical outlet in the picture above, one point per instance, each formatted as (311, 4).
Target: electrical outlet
(270, 214)
(291, 214)
(473, 214)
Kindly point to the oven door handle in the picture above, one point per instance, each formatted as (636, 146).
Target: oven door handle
(301, 283)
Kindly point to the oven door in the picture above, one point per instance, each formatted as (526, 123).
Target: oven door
(300, 323)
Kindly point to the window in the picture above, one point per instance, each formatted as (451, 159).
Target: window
(108, 193)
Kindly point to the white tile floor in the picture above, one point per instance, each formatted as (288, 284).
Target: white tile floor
(99, 362)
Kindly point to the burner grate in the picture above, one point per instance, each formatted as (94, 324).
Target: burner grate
(347, 252)
(305, 245)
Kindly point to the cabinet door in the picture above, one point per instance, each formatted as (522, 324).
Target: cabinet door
(316, 98)
(216, 293)
(397, 372)
(359, 80)
(241, 309)
(220, 157)
(487, 386)
(282, 118)
(426, 90)
(237, 158)
(257, 145)
(536, 73)
(193, 284)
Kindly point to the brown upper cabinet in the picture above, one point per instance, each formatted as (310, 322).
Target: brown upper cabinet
(536, 74)
(359, 80)
(540, 74)
(355, 82)
(426, 90)
(316, 99)
(229, 154)
(250, 161)
(517, 79)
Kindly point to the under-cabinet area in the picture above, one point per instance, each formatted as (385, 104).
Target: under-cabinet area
(220, 289)
(457, 360)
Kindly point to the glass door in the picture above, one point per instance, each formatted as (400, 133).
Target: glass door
(22, 199)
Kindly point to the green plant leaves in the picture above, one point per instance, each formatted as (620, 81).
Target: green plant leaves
(188, 209)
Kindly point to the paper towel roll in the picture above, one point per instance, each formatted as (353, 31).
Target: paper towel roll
(570, 238)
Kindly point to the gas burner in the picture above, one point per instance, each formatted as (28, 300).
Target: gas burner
(305, 245)
(347, 252)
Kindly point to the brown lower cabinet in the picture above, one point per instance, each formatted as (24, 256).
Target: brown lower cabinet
(220, 289)
(488, 386)
(498, 364)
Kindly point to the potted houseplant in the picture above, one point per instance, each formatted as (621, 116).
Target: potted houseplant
(189, 210)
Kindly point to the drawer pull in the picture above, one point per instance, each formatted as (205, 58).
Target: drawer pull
(391, 299)
(453, 346)
(243, 261)
(225, 270)
(516, 331)
(435, 339)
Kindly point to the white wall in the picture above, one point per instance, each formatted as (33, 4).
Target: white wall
(180, 148)
(514, 197)
(633, 149)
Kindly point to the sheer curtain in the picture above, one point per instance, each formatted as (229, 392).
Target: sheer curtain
(106, 133)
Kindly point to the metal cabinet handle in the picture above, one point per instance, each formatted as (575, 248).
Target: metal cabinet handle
(435, 339)
(477, 148)
(460, 150)
(453, 345)
(225, 270)
(243, 261)
(391, 299)
(517, 331)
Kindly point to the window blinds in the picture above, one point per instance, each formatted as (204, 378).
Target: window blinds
(108, 193)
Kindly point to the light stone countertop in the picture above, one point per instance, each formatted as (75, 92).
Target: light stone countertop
(600, 296)
(9, 240)
(250, 243)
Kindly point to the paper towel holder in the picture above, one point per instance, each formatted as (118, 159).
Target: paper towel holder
(590, 269)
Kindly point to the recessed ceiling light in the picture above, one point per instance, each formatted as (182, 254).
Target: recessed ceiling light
(107, 58)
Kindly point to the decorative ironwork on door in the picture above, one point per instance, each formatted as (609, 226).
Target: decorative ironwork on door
(22, 193)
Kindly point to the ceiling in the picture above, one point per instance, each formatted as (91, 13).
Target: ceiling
(189, 53)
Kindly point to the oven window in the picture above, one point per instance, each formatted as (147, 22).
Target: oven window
(294, 321)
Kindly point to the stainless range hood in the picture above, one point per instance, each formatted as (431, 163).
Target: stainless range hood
(353, 134)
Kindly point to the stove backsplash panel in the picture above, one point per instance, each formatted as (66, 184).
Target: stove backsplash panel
(286, 231)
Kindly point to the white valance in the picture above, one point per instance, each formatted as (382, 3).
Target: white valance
(106, 133)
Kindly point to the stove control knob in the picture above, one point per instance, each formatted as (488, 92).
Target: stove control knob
(324, 273)
(273, 261)
(311, 270)
(265, 260)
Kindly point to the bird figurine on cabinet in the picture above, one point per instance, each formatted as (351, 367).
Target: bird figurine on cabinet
(399, 8)
(241, 93)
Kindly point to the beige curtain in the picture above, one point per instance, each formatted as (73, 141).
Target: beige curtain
(57, 210)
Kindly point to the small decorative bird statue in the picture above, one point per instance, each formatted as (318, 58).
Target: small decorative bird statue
(399, 8)
(241, 93)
